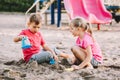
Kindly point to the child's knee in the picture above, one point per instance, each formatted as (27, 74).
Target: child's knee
(73, 49)
(49, 54)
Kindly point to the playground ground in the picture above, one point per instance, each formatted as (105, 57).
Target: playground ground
(12, 24)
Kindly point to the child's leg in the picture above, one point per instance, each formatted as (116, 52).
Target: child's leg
(64, 55)
(42, 56)
(60, 54)
(80, 54)
(89, 66)
(69, 57)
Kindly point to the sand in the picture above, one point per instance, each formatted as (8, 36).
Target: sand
(12, 68)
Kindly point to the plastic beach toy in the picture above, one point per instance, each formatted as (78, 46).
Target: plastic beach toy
(52, 61)
(69, 69)
(25, 43)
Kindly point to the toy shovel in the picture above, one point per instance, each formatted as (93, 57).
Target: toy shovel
(52, 61)
(69, 69)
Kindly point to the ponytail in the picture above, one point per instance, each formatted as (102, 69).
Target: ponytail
(89, 28)
(81, 22)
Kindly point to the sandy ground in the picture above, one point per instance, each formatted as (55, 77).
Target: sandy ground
(10, 53)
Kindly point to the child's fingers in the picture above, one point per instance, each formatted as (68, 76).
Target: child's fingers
(75, 67)
(56, 58)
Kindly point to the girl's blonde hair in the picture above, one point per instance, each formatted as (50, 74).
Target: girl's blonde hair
(81, 22)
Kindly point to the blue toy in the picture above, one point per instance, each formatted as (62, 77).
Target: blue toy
(52, 61)
(25, 43)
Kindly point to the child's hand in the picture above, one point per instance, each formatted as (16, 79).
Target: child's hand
(21, 36)
(75, 67)
(56, 58)
(18, 38)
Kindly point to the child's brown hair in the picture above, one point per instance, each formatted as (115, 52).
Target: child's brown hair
(35, 17)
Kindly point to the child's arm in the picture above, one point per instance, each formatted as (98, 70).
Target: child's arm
(48, 49)
(18, 38)
(87, 59)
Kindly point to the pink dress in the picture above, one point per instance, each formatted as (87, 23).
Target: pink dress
(88, 41)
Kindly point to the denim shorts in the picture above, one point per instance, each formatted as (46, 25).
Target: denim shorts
(41, 57)
(95, 63)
